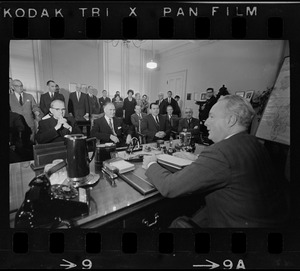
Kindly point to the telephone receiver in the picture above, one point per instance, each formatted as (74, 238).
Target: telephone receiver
(41, 209)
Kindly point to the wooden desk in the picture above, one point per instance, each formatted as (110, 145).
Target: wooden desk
(107, 204)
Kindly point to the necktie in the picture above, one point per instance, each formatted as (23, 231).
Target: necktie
(51, 95)
(157, 120)
(139, 127)
(21, 100)
(169, 100)
(170, 119)
(112, 127)
(78, 96)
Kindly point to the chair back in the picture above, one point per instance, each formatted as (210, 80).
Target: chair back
(95, 116)
(45, 153)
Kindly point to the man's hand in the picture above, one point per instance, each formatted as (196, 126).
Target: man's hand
(114, 139)
(160, 134)
(148, 159)
(60, 122)
(67, 126)
(36, 113)
(86, 116)
(128, 139)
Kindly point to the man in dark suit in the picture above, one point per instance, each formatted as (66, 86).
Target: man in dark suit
(172, 120)
(93, 101)
(54, 126)
(190, 124)
(103, 100)
(78, 105)
(19, 139)
(204, 109)
(154, 126)
(24, 104)
(236, 175)
(170, 101)
(111, 129)
(137, 117)
(162, 105)
(50, 96)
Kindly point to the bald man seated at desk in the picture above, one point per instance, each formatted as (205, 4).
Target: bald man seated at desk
(155, 126)
(54, 126)
(235, 175)
(111, 129)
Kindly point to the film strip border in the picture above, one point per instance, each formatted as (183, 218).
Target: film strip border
(148, 20)
(183, 249)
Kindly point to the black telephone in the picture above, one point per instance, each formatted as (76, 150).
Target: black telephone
(41, 209)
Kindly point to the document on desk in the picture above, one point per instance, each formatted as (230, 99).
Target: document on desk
(138, 183)
(123, 166)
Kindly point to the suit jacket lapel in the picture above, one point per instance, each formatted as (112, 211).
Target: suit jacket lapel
(156, 124)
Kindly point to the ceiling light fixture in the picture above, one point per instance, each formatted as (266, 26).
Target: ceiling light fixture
(152, 64)
(135, 43)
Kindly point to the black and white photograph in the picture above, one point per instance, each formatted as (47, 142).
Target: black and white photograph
(106, 134)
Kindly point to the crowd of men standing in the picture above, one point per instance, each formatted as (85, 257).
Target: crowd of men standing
(118, 117)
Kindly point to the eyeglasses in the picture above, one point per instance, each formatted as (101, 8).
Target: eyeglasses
(59, 109)
(18, 86)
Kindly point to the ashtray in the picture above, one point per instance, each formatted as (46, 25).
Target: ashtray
(64, 192)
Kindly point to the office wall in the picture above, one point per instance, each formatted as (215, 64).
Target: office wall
(239, 65)
(89, 62)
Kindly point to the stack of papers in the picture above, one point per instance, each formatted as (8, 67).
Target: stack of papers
(122, 166)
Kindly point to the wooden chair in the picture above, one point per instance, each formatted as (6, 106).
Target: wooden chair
(45, 153)
(94, 117)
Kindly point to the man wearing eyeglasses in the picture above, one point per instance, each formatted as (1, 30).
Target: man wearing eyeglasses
(55, 126)
(24, 104)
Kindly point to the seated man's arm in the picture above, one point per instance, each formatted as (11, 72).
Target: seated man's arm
(99, 133)
(167, 127)
(210, 171)
(180, 125)
(45, 134)
(196, 129)
(134, 121)
(145, 129)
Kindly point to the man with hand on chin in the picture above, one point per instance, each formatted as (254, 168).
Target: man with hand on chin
(54, 126)
(241, 186)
